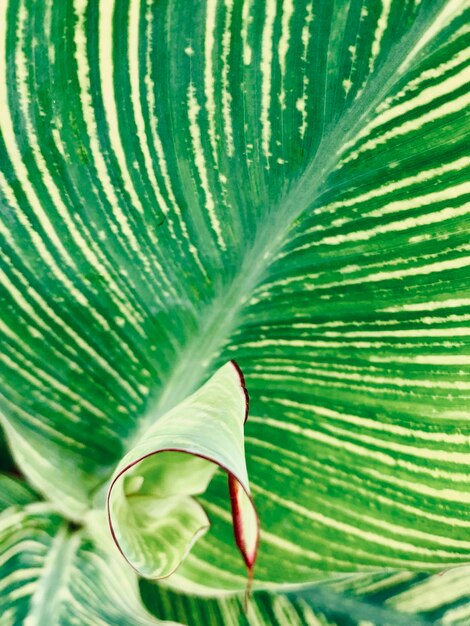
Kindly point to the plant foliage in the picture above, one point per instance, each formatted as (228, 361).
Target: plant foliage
(280, 182)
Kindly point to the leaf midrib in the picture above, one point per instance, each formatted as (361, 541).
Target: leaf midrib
(224, 312)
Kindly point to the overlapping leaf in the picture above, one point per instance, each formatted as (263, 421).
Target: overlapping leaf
(50, 575)
(276, 181)
(14, 491)
(53, 574)
(60, 577)
(399, 599)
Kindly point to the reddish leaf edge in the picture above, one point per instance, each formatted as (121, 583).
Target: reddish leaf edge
(243, 386)
(237, 531)
(236, 517)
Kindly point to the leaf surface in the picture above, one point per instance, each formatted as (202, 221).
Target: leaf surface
(50, 575)
(374, 599)
(284, 183)
(394, 598)
(14, 491)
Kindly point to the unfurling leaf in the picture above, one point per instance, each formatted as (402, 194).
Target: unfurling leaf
(153, 513)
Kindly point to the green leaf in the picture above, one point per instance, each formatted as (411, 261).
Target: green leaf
(398, 599)
(444, 597)
(281, 183)
(153, 515)
(6, 460)
(439, 599)
(51, 575)
(14, 491)
(263, 610)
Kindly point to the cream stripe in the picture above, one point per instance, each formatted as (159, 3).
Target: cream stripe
(266, 72)
(200, 162)
(162, 164)
(209, 78)
(379, 33)
(380, 457)
(287, 12)
(453, 106)
(226, 95)
(246, 20)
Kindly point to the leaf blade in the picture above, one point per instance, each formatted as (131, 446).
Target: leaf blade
(359, 235)
(51, 575)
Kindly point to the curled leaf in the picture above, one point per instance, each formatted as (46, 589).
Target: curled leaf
(153, 513)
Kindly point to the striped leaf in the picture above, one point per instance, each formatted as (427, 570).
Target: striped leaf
(36, 535)
(278, 181)
(52, 576)
(400, 599)
(14, 491)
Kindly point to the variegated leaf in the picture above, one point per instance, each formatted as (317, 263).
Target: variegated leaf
(283, 182)
(14, 491)
(52, 576)
(398, 599)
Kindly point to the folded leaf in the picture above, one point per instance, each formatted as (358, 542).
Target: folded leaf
(153, 514)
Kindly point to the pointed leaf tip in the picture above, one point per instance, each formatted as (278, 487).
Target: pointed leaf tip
(153, 515)
(245, 522)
